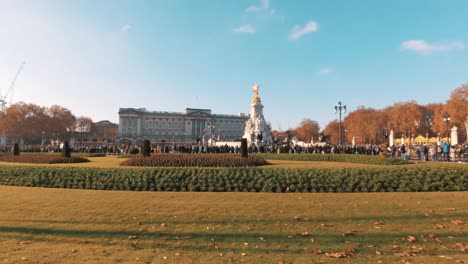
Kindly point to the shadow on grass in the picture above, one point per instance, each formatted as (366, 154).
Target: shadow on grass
(221, 236)
(407, 217)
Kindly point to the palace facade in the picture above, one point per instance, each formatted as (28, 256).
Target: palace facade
(193, 125)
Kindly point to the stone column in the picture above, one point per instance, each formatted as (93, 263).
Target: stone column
(454, 136)
(391, 138)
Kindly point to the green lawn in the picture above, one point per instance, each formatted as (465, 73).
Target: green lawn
(40, 225)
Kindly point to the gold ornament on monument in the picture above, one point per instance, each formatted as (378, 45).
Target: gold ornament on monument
(256, 98)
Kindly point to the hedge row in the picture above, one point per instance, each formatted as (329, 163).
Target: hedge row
(195, 160)
(396, 179)
(352, 158)
(42, 159)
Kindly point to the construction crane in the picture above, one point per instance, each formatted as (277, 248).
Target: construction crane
(9, 91)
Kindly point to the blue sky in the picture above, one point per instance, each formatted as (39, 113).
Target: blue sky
(166, 55)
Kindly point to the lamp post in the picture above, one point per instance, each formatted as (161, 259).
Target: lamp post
(81, 134)
(447, 121)
(340, 108)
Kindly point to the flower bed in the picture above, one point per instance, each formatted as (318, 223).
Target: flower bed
(195, 160)
(41, 159)
(381, 179)
(352, 158)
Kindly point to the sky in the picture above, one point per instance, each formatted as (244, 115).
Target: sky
(94, 57)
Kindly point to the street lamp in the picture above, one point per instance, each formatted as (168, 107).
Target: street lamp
(340, 108)
(447, 121)
(81, 134)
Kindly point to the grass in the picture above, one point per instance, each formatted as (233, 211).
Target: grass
(77, 226)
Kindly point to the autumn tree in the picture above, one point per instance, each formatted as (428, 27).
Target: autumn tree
(457, 108)
(367, 124)
(60, 123)
(22, 121)
(405, 118)
(331, 131)
(30, 122)
(435, 119)
(307, 130)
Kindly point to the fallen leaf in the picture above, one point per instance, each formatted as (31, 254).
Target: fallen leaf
(411, 239)
(336, 255)
(457, 222)
(378, 252)
(378, 223)
(317, 251)
(245, 243)
(133, 237)
(326, 225)
(348, 233)
(463, 247)
(451, 209)
(439, 226)
(303, 234)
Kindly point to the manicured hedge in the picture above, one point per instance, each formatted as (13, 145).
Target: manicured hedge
(352, 158)
(42, 159)
(395, 179)
(195, 160)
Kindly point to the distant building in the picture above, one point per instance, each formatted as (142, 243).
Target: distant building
(193, 125)
(100, 133)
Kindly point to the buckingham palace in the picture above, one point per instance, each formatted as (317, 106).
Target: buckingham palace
(137, 124)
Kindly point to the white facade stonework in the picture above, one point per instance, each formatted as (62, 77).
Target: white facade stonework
(256, 124)
(180, 127)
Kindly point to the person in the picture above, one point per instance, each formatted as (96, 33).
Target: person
(465, 153)
(446, 150)
(425, 152)
(403, 152)
(433, 152)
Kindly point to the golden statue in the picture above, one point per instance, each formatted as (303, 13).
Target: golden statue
(256, 98)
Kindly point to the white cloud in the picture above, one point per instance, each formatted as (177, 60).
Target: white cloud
(245, 29)
(125, 28)
(425, 48)
(264, 4)
(299, 31)
(325, 71)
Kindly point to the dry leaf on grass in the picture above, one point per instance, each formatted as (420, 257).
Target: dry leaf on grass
(133, 237)
(463, 247)
(303, 234)
(411, 239)
(457, 222)
(336, 255)
(317, 251)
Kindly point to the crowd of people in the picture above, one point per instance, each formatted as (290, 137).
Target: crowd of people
(443, 152)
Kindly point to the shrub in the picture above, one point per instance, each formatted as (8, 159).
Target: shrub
(243, 148)
(16, 149)
(66, 150)
(134, 151)
(146, 148)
